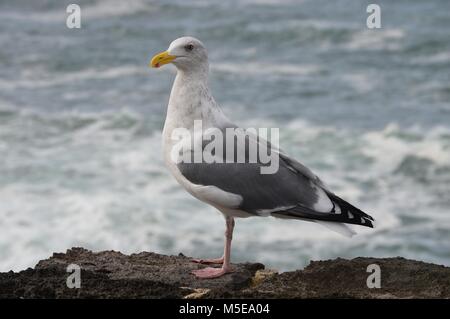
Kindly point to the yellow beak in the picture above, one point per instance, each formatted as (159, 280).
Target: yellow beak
(161, 59)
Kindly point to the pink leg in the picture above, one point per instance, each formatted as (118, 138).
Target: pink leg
(210, 272)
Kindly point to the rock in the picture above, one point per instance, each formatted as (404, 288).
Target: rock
(341, 278)
(111, 274)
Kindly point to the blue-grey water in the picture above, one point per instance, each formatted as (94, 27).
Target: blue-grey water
(81, 116)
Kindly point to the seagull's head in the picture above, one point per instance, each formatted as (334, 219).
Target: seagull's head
(186, 53)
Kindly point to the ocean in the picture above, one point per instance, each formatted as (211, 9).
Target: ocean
(81, 114)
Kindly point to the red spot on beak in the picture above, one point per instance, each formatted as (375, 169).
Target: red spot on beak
(157, 65)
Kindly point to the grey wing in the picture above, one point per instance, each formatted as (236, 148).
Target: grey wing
(293, 191)
(342, 211)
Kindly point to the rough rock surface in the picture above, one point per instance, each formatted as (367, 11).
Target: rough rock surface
(111, 274)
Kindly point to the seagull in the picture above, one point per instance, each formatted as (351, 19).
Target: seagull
(237, 189)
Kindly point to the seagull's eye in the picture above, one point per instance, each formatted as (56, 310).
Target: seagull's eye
(189, 47)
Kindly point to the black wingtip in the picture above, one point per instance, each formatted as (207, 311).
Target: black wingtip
(346, 206)
(343, 212)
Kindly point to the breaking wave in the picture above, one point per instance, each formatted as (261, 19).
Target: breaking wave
(99, 180)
